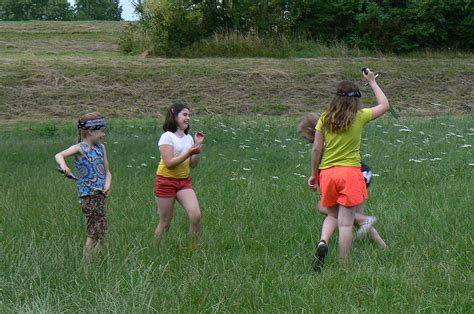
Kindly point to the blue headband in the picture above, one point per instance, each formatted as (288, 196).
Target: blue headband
(349, 94)
(95, 124)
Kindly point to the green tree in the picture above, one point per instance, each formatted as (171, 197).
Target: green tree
(98, 10)
(16, 10)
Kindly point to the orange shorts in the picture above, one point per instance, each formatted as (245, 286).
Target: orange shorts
(343, 185)
(169, 187)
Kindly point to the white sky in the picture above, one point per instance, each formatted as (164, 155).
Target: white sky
(127, 7)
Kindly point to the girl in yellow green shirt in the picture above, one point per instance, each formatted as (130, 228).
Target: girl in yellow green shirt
(337, 173)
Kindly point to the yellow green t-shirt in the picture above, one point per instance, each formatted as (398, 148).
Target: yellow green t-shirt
(343, 149)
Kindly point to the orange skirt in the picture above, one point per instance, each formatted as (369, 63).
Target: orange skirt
(343, 185)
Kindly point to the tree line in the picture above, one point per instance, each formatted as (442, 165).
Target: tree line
(60, 10)
(383, 25)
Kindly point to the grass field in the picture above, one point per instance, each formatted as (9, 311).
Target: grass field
(259, 225)
(259, 219)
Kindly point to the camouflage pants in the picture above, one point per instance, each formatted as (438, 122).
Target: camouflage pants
(93, 207)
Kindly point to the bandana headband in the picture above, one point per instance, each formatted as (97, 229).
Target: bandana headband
(95, 124)
(349, 94)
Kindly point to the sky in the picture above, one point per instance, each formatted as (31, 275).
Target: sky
(128, 10)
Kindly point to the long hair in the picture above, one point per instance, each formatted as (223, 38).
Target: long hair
(171, 123)
(343, 109)
(307, 125)
(82, 134)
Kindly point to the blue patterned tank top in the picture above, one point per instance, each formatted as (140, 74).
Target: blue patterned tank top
(90, 169)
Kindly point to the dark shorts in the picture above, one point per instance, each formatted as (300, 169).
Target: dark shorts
(93, 207)
(169, 187)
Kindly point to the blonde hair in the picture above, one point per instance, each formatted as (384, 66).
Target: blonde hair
(82, 134)
(307, 126)
(343, 109)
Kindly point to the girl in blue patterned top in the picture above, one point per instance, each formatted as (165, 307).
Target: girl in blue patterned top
(94, 177)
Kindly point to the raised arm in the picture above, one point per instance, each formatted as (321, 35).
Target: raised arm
(198, 139)
(61, 158)
(382, 102)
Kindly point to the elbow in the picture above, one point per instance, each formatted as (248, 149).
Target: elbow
(168, 163)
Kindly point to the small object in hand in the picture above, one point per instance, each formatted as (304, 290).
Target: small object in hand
(70, 176)
(367, 83)
(365, 70)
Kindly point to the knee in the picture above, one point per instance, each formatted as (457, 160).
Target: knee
(165, 222)
(195, 216)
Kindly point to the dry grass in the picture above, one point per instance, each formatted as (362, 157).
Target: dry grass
(63, 69)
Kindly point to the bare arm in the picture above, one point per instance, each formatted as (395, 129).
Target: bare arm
(199, 139)
(382, 101)
(316, 154)
(171, 161)
(195, 160)
(61, 157)
(108, 174)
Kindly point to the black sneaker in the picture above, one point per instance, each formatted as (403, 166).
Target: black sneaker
(321, 252)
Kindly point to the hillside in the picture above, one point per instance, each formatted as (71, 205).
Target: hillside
(61, 69)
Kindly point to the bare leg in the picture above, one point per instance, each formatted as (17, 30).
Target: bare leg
(92, 249)
(188, 199)
(327, 230)
(165, 207)
(329, 223)
(360, 218)
(375, 237)
(345, 222)
(372, 232)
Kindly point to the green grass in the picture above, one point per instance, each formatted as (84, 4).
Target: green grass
(258, 231)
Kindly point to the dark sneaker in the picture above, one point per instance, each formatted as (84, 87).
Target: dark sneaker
(319, 256)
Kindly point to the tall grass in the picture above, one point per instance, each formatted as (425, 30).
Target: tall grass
(136, 39)
(259, 225)
(237, 45)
